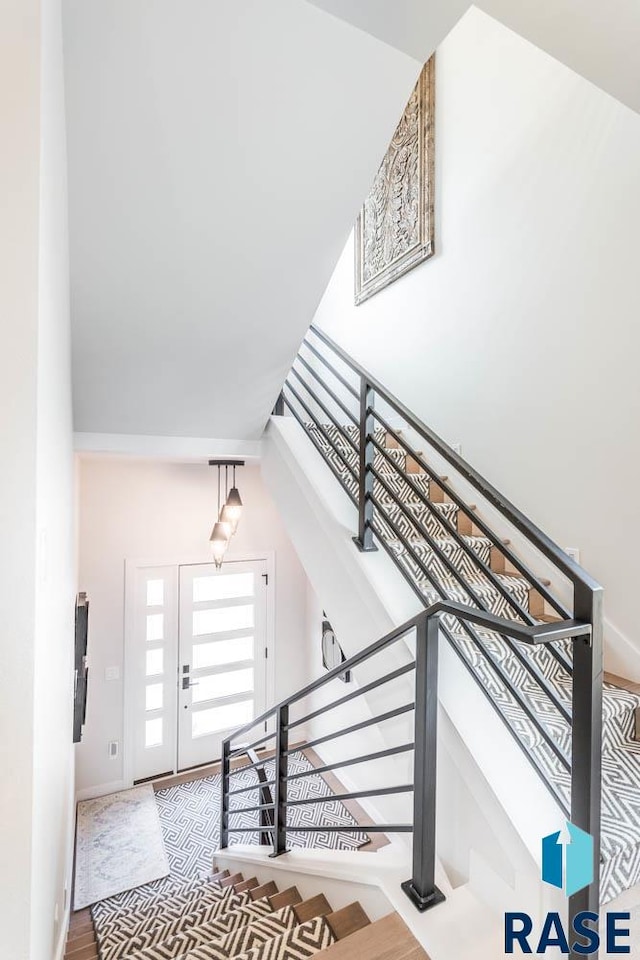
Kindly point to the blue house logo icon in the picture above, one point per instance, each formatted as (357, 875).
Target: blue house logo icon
(568, 865)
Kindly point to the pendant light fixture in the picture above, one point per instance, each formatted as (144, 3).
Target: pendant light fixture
(228, 517)
(232, 510)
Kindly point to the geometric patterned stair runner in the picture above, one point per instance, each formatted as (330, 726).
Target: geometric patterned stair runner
(169, 905)
(232, 934)
(534, 672)
(245, 929)
(135, 932)
(304, 940)
(145, 896)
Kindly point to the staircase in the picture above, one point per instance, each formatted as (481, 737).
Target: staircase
(222, 917)
(457, 541)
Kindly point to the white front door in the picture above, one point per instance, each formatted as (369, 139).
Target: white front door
(222, 658)
(196, 661)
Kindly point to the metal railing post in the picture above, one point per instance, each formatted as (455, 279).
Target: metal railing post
(280, 798)
(225, 769)
(364, 540)
(586, 738)
(421, 888)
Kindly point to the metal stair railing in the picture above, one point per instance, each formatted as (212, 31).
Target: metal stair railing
(425, 627)
(343, 408)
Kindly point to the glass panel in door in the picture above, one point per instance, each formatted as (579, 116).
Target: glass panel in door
(222, 640)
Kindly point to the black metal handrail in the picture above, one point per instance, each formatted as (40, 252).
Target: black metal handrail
(560, 559)
(421, 887)
(353, 454)
(371, 514)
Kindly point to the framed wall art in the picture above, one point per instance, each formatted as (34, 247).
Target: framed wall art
(394, 231)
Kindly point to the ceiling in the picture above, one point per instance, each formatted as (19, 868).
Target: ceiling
(218, 153)
(600, 41)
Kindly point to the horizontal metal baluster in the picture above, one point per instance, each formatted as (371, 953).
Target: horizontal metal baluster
(251, 746)
(259, 806)
(345, 383)
(366, 758)
(348, 828)
(256, 829)
(345, 828)
(254, 786)
(353, 795)
(260, 762)
(390, 715)
(387, 678)
(314, 373)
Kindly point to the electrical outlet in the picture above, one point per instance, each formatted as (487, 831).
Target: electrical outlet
(112, 673)
(114, 749)
(574, 553)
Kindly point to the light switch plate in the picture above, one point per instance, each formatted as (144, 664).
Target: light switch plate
(112, 673)
(574, 553)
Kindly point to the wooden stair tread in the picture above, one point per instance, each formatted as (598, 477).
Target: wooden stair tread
(80, 917)
(385, 939)
(83, 953)
(76, 930)
(74, 941)
(288, 898)
(348, 921)
(317, 906)
(266, 890)
(250, 884)
(231, 881)
(632, 686)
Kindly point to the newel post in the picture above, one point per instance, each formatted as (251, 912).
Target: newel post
(586, 737)
(421, 888)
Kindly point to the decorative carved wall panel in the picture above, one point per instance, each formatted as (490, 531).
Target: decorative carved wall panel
(394, 230)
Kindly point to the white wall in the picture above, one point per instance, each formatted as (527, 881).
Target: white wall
(134, 509)
(53, 808)
(520, 338)
(19, 172)
(36, 601)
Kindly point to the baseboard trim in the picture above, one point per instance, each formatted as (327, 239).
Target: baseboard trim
(62, 936)
(101, 790)
(621, 656)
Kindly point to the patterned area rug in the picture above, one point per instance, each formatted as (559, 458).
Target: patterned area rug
(190, 817)
(119, 845)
